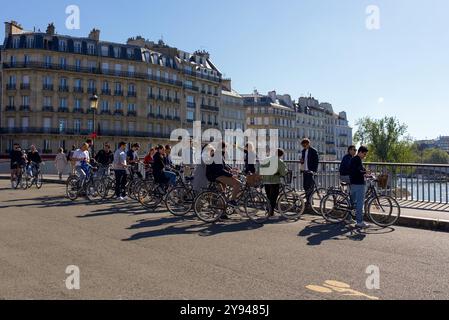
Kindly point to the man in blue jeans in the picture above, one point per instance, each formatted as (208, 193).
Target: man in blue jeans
(357, 174)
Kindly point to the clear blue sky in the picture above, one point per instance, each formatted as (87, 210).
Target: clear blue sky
(320, 47)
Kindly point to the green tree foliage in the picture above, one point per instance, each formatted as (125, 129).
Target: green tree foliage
(435, 156)
(386, 139)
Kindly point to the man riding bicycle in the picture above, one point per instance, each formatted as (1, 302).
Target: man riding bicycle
(82, 159)
(17, 161)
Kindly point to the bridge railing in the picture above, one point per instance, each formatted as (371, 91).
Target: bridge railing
(406, 181)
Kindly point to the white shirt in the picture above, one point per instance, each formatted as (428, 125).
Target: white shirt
(306, 160)
(119, 159)
(79, 154)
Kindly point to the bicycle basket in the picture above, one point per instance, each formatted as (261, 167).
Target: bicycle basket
(253, 180)
(382, 181)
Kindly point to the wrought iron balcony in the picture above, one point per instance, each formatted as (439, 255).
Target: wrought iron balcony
(47, 87)
(118, 93)
(25, 86)
(132, 94)
(63, 88)
(10, 108)
(78, 89)
(25, 108)
(63, 109)
(106, 92)
(210, 108)
(10, 86)
(47, 109)
(132, 113)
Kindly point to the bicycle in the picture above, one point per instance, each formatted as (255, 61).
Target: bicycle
(290, 204)
(93, 188)
(36, 177)
(384, 211)
(20, 178)
(315, 195)
(212, 204)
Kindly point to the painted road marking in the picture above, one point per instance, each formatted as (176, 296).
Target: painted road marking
(332, 286)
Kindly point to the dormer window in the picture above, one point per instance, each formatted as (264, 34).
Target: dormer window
(62, 45)
(91, 48)
(117, 52)
(104, 51)
(30, 42)
(16, 43)
(129, 53)
(77, 47)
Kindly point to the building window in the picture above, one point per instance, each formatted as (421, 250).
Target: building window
(16, 43)
(30, 42)
(77, 47)
(11, 123)
(104, 51)
(104, 105)
(47, 145)
(117, 52)
(91, 48)
(47, 60)
(190, 116)
(118, 106)
(62, 125)
(62, 45)
(63, 103)
(77, 104)
(77, 125)
(90, 125)
(26, 101)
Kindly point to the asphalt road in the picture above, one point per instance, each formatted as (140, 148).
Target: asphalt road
(124, 252)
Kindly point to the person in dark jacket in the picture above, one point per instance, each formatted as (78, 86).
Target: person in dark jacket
(346, 164)
(219, 171)
(310, 160)
(17, 160)
(159, 163)
(105, 157)
(357, 173)
(34, 160)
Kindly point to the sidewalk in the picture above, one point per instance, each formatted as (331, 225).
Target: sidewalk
(413, 214)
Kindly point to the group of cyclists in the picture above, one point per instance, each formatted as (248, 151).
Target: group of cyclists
(202, 186)
(25, 166)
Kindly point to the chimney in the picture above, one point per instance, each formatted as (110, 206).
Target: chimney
(226, 84)
(94, 35)
(51, 30)
(12, 27)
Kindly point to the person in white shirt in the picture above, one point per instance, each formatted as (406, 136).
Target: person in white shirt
(120, 166)
(82, 158)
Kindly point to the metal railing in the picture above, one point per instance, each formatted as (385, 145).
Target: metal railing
(406, 181)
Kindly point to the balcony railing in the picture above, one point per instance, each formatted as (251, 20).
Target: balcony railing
(10, 86)
(63, 109)
(25, 86)
(78, 110)
(47, 109)
(132, 113)
(47, 87)
(106, 92)
(10, 108)
(189, 87)
(25, 108)
(92, 90)
(78, 89)
(191, 105)
(118, 113)
(209, 108)
(92, 70)
(118, 93)
(202, 76)
(105, 112)
(63, 88)
(132, 94)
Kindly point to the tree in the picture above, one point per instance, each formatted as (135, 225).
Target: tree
(386, 138)
(435, 156)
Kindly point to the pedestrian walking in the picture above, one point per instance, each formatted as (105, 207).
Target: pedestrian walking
(70, 160)
(61, 163)
(310, 161)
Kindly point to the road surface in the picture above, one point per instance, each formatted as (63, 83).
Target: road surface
(124, 252)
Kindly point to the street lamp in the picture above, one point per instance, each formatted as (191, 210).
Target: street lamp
(93, 108)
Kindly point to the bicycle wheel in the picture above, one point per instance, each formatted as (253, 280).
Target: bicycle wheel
(210, 206)
(290, 205)
(29, 180)
(316, 198)
(93, 191)
(257, 207)
(179, 201)
(110, 187)
(149, 196)
(39, 180)
(335, 207)
(72, 188)
(384, 211)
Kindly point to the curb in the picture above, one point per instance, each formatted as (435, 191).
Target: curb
(52, 181)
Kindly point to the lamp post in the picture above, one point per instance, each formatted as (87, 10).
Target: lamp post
(93, 108)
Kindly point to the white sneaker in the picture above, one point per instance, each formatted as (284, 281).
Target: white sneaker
(362, 225)
(124, 198)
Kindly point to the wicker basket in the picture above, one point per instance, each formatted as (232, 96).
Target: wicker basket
(382, 181)
(253, 180)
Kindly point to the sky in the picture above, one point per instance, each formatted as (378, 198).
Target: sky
(300, 47)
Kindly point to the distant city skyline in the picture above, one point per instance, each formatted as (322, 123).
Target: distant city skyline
(322, 48)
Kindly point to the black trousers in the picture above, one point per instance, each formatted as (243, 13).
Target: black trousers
(272, 191)
(120, 183)
(308, 183)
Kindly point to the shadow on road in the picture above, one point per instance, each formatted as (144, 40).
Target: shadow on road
(319, 231)
(187, 226)
(120, 208)
(43, 202)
